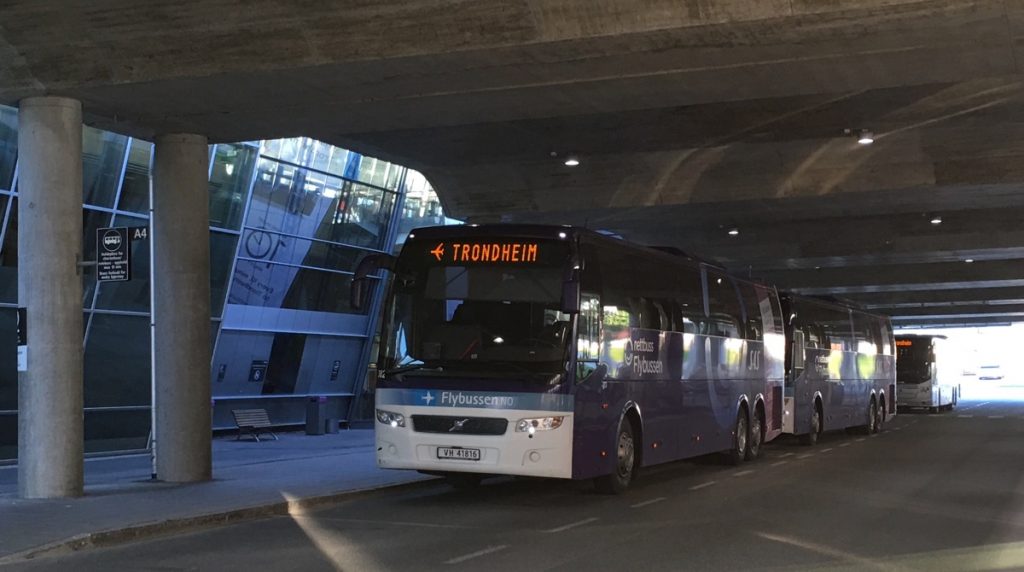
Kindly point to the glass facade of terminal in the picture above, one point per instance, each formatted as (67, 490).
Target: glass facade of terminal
(289, 219)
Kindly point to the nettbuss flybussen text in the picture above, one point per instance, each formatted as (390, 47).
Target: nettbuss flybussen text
(558, 352)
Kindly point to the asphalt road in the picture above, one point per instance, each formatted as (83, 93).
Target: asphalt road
(932, 492)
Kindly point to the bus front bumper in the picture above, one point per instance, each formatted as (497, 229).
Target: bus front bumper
(541, 454)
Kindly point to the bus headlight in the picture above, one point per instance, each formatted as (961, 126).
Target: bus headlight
(391, 418)
(532, 425)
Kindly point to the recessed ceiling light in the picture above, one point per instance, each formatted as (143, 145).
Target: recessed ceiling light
(968, 260)
(866, 138)
(734, 231)
(561, 235)
(937, 220)
(572, 161)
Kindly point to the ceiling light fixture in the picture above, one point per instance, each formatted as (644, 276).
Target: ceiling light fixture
(734, 231)
(572, 161)
(936, 220)
(968, 260)
(866, 138)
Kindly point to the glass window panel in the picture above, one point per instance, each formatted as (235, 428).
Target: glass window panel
(300, 202)
(280, 286)
(135, 190)
(230, 177)
(9, 256)
(91, 222)
(8, 145)
(8, 436)
(132, 295)
(8, 359)
(117, 361)
(124, 430)
(274, 247)
(102, 158)
(297, 363)
(222, 251)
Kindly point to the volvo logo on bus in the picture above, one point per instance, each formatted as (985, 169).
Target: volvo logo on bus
(457, 425)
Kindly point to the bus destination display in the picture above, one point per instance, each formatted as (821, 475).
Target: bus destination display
(508, 252)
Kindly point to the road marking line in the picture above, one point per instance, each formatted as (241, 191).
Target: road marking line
(784, 455)
(844, 444)
(826, 450)
(965, 416)
(572, 525)
(742, 473)
(859, 440)
(777, 463)
(477, 554)
(702, 485)
(392, 522)
(648, 502)
(805, 455)
(996, 416)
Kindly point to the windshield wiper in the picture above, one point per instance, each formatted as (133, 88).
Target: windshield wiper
(412, 367)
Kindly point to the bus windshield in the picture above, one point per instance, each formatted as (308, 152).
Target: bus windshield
(913, 361)
(502, 318)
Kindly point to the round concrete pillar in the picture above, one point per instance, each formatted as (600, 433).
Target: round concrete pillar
(181, 308)
(50, 418)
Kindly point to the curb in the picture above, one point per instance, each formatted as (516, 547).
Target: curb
(136, 532)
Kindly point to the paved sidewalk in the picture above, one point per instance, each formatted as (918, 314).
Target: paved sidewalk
(247, 476)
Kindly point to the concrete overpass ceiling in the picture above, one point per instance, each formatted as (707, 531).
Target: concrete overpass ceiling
(689, 117)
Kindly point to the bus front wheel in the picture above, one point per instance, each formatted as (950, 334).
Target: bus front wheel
(625, 462)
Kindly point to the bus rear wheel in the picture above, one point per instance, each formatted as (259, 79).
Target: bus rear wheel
(811, 438)
(625, 462)
(872, 424)
(756, 436)
(880, 417)
(740, 437)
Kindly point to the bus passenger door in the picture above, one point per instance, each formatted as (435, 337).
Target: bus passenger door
(590, 420)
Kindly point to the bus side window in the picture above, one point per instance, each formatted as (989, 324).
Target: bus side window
(723, 306)
(588, 339)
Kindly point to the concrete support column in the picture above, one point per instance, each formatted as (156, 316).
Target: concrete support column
(181, 308)
(50, 418)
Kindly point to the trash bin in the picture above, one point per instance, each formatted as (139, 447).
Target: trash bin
(331, 425)
(316, 414)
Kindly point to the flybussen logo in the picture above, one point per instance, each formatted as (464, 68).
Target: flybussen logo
(459, 399)
(641, 364)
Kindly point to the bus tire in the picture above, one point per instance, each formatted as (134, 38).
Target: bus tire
(756, 440)
(872, 416)
(625, 462)
(880, 416)
(464, 481)
(811, 438)
(740, 438)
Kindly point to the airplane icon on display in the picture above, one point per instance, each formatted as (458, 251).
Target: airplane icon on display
(428, 398)
(438, 252)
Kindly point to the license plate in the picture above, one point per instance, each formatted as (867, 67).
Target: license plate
(458, 453)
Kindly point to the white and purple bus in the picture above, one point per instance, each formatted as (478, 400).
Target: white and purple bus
(559, 352)
(840, 368)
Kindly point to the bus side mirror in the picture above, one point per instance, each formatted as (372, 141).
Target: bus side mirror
(798, 349)
(360, 290)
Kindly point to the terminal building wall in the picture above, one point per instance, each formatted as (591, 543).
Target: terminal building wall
(288, 220)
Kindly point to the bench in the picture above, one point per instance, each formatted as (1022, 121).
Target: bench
(255, 421)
